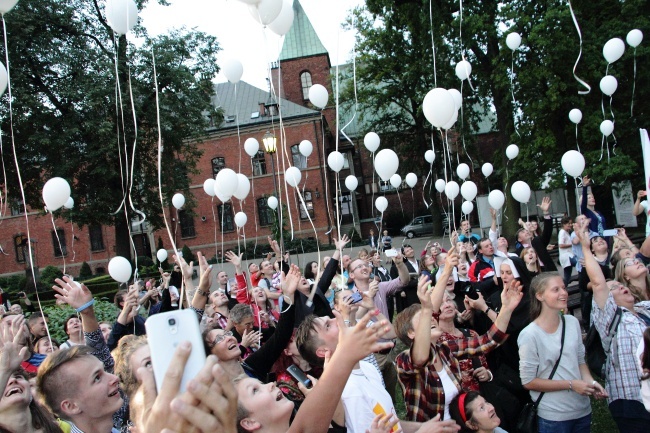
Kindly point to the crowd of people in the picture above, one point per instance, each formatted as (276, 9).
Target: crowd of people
(467, 337)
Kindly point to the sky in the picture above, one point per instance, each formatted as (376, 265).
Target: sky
(243, 38)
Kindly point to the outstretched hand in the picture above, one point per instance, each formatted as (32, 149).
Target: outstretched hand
(341, 243)
(71, 292)
(424, 292)
(357, 342)
(12, 348)
(233, 258)
(545, 206)
(511, 295)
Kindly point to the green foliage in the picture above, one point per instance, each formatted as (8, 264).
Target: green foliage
(105, 311)
(354, 236)
(49, 274)
(85, 272)
(13, 284)
(188, 255)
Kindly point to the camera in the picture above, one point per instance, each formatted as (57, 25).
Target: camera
(471, 291)
(172, 322)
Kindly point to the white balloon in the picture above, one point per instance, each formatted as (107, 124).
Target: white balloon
(468, 190)
(463, 70)
(396, 180)
(7, 5)
(513, 40)
(512, 151)
(265, 11)
(381, 204)
(462, 171)
(221, 196)
(573, 163)
(335, 161)
(386, 164)
(241, 219)
(272, 202)
(226, 182)
(452, 121)
(69, 204)
(318, 95)
(122, 15)
(487, 169)
(613, 50)
(4, 79)
(208, 187)
(351, 182)
(575, 115)
(520, 191)
(283, 22)
(243, 187)
(161, 255)
(371, 141)
(467, 207)
(496, 199)
(607, 127)
(438, 107)
(250, 2)
(178, 200)
(634, 38)
(306, 148)
(251, 146)
(292, 176)
(608, 85)
(440, 185)
(411, 179)
(452, 189)
(430, 156)
(458, 98)
(233, 70)
(56, 193)
(120, 269)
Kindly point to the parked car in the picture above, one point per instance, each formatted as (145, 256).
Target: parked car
(421, 225)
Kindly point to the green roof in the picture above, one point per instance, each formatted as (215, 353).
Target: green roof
(301, 40)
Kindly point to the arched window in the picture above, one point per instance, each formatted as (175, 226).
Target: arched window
(305, 82)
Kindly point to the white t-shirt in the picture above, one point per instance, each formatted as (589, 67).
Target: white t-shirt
(646, 208)
(450, 390)
(364, 396)
(645, 384)
(564, 238)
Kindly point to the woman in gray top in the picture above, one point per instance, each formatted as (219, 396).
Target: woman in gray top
(565, 406)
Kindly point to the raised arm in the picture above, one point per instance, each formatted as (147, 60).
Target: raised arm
(200, 298)
(421, 349)
(638, 209)
(402, 270)
(548, 222)
(510, 298)
(585, 191)
(340, 245)
(595, 273)
(451, 261)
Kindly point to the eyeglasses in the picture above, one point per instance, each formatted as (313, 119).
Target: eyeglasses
(361, 265)
(631, 262)
(222, 337)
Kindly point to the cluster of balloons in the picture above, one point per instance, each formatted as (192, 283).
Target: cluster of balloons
(278, 15)
(615, 47)
(121, 15)
(56, 193)
(440, 106)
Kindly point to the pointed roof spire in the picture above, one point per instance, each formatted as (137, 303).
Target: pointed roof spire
(301, 40)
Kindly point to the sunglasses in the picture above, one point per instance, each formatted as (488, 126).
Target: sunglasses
(221, 337)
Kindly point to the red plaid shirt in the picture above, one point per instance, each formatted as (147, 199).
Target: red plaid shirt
(424, 396)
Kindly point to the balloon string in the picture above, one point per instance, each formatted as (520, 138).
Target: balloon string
(354, 80)
(58, 240)
(577, 143)
(337, 181)
(254, 208)
(400, 200)
(327, 202)
(512, 91)
(614, 146)
(119, 115)
(610, 107)
(214, 224)
(424, 187)
(372, 202)
(4, 197)
(237, 124)
(633, 89)
(602, 148)
(74, 253)
(433, 44)
(413, 202)
(575, 66)
(162, 204)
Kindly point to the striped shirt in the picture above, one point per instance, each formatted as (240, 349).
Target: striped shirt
(623, 376)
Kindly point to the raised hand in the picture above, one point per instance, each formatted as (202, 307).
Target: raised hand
(250, 338)
(341, 243)
(290, 282)
(384, 423)
(586, 181)
(452, 258)
(72, 293)
(274, 246)
(424, 292)
(475, 304)
(582, 233)
(511, 296)
(233, 258)
(359, 341)
(186, 269)
(12, 348)
(546, 204)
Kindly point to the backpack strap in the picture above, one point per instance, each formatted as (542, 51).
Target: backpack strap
(612, 331)
(557, 363)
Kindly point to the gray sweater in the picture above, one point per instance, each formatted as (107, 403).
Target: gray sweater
(538, 352)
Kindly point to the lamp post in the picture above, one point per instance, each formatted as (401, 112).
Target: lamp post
(270, 146)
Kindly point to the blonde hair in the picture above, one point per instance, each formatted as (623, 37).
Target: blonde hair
(638, 293)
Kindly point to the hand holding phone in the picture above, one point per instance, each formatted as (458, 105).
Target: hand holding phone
(299, 375)
(391, 253)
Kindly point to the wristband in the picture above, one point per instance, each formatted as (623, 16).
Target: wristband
(491, 376)
(86, 305)
(487, 310)
(570, 386)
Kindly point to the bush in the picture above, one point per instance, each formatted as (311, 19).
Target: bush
(49, 274)
(105, 311)
(85, 272)
(13, 284)
(188, 256)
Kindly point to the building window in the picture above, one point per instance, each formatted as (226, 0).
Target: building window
(96, 238)
(299, 160)
(259, 164)
(218, 164)
(309, 204)
(226, 219)
(305, 82)
(20, 246)
(187, 224)
(266, 214)
(17, 208)
(58, 242)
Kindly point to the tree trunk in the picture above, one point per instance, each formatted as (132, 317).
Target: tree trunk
(122, 240)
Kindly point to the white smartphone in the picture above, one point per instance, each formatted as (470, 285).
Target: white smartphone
(611, 232)
(391, 253)
(164, 332)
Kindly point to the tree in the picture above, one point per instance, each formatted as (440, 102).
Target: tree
(85, 272)
(70, 121)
